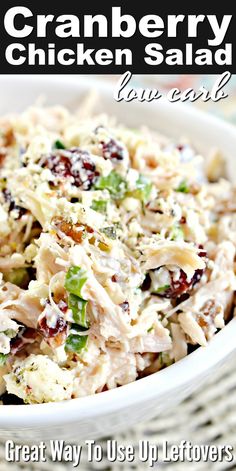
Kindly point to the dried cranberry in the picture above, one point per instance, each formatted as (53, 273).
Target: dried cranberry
(146, 283)
(16, 345)
(25, 336)
(177, 287)
(183, 297)
(30, 333)
(74, 163)
(181, 286)
(49, 332)
(203, 252)
(197, 277)
(112, 150)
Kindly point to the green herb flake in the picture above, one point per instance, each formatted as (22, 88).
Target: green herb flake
(76, 277)
(75, 343)
(162, 289)
(78, 308)
(114, 183)
(143, 189)
(3, 359)
(176, 233)
(100, 206)
(59, 145)
(183, 187)
(150, 329)
(110, 232)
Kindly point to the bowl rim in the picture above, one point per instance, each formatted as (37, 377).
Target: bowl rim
(158, 384)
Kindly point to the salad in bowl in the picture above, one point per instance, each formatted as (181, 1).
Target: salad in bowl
(117, 253)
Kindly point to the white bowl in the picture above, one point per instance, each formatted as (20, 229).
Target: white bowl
(104, 413)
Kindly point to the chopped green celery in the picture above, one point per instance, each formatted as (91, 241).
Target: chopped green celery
(75, 342)
(100, 206)
(183, 187)
(114, 183)
(110, 232)
(3, 359)
(143, 189)
(78, 308)
(161, 289)
(18, 276)
(76, 277)
(177, 233)
(59, 145)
